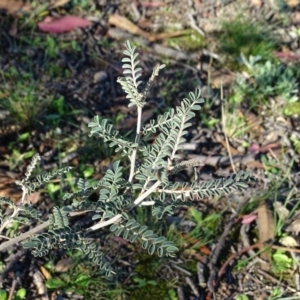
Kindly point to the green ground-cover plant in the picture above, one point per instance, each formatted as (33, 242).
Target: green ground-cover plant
(268, 80)
(146, 182)
(27, 98)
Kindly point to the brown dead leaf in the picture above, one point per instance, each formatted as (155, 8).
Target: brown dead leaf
(144, 23)
(15, 7)
(58, 3)
(221, 78)
(8, 187)
(281, 211)
(221, 140)
(64, 265)
(45, 272)
(253, 121)
(294, 227)
(295, 17)
(123, 23)
(291, 3)
(266, 226)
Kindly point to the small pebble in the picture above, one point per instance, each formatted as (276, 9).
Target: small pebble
(99, 77)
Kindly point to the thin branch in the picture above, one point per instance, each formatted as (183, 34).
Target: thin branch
(24, 236)
(216, 254)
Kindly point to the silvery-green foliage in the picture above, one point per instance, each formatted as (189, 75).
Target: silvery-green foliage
(22, 213)
(110, 136)
(59, 218)
(130, 82)
(270, 79)
(33, 184)
(67, 238)
(133, 72)
(148, 182)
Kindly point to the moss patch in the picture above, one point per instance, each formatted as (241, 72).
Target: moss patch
(158, 291)
(292, 108)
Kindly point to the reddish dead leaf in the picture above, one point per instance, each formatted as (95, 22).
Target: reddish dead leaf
(120, 240)
(205, 250)
(197, 3)
(253, 148)
(287, 56)
(247, 219)
(271, 146)
(62, 24)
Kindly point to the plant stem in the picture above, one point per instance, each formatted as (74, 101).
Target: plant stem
(137, 140)
(137, 201)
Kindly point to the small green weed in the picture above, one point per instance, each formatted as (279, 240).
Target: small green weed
(82, 279)
(19, 295)
(244, 36)
(205, 229)
(3, 295)
(235, 123)
(23, 96)
(281, 262)
(16, 158)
